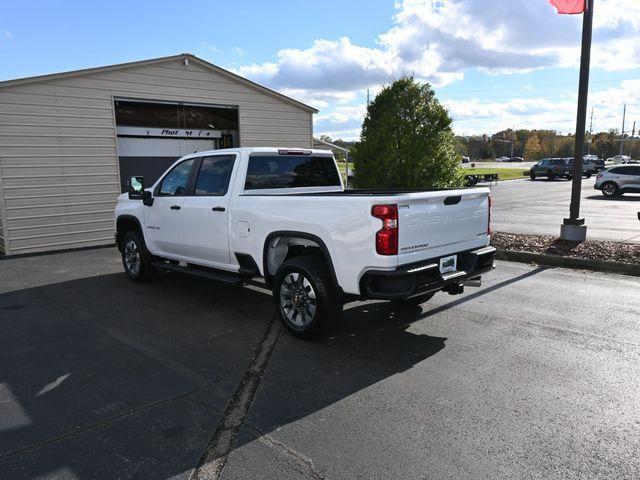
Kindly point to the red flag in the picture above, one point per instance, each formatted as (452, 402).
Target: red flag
(569, 6)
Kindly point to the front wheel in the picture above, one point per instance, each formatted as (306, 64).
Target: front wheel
(135, 258)
(306, 300)
(532, 175)
(587, 175)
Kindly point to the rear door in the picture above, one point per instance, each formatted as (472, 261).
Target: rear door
(634, 181)
(445, 223)
(205, 222)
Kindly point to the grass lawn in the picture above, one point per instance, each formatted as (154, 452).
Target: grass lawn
(503, 173)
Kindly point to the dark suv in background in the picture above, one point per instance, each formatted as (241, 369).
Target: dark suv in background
(550, 168)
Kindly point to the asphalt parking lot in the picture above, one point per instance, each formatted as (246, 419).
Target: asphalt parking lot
(533, 375)
(538, 207)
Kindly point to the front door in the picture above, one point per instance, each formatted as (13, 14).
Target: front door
(163, 219)
(205, 212)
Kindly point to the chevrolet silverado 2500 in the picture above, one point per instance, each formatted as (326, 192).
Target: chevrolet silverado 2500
(283, 214)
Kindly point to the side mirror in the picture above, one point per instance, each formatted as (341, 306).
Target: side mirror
(136, 188)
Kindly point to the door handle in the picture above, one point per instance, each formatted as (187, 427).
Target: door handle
(175, 207)
(218, 209)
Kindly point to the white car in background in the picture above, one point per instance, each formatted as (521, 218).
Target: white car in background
(617, 159)
(503, 159)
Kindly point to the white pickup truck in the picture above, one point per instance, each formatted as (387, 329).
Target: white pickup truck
(283, 214)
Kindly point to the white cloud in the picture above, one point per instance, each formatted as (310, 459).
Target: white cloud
(475, 116)
(7, 33)
(238, 51)
(439, 40)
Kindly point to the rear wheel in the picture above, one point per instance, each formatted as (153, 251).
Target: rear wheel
(135, 258)
(587, 175)
(609, 189)
(306, 300)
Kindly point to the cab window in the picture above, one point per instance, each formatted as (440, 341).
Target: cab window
(214, 175)
(176, 181)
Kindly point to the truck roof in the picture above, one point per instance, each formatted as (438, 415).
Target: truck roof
(273, 150)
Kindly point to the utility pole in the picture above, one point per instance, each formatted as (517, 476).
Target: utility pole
(367, 97)
(590, 133)
(624, 114)
(574, 228)
(512, 133)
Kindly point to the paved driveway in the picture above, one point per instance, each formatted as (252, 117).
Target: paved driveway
(538, 207)
(534, 375)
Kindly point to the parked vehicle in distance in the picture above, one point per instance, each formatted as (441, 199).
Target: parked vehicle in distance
(282, 214)
(588, 167)
(618, 180)
(599, 163)
(465, 160)
(617, 159)
(517, 159)
(551, 168)
(503, 159)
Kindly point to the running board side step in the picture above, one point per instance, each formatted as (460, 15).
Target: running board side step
(210, 273)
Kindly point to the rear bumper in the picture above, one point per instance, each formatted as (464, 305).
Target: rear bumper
(418, 278)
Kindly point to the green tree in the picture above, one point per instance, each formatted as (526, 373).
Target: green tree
(406, 141)
(532, 148)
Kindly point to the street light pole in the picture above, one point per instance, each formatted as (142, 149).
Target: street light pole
(590, 134)
(574, 228)
(624, 114)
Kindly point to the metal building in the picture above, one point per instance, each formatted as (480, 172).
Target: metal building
(68, 141)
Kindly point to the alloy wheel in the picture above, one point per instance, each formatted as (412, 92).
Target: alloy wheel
(298, 300)
(132, 257)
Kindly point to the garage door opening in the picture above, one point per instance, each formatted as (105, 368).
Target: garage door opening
(152, 135)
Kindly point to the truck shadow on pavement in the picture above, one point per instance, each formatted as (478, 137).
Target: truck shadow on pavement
(103, 378)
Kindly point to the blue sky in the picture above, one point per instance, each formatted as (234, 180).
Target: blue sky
(494, 64)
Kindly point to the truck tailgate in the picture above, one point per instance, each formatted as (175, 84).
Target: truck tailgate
(434, 224)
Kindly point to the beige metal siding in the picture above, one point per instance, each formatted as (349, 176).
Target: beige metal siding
(58, 161)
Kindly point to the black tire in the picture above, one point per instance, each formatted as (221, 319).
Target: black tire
(532, 175)
(569, 177)
(609, 189)
(587, 175)
(417, 300)
(306, 313)
(551, 175)
(136, 259)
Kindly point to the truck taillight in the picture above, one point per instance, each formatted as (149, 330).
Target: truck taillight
(489, 217)
(387, 236)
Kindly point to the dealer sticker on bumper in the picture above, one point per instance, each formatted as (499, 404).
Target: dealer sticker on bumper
(449, 264)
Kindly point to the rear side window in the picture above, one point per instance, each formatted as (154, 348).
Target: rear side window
(289, 171)
(622, 171)
(214, 174)
(175, 182)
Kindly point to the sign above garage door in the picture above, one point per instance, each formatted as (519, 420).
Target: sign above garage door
(167, 132)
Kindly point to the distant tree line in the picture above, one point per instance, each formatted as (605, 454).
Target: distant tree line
(537, 144)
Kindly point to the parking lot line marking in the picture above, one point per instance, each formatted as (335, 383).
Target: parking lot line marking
(220, 445)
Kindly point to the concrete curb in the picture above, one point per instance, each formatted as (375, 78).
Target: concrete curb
(569, 262)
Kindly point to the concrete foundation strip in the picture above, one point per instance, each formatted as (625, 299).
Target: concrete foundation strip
(569, 262)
